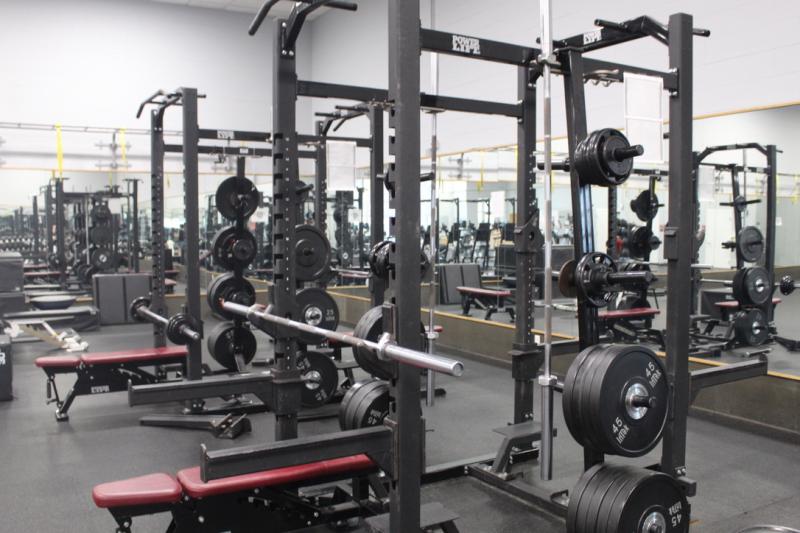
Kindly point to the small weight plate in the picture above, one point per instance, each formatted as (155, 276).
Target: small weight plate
(344, 406)
(317, 308)
(229, 287)
(645, 206)
(101, 235)
(100, 213)
(642, 242)
(374, 408)
(226, 341)
(596, 294)
(312, 253)
(321, 378)
(566, 279)
(174, 327)
(359, 398)
(752, 286)
(237, 198)
(370, 327)
(751, 327)
(103, 259)
(750, 243)
(233, 249)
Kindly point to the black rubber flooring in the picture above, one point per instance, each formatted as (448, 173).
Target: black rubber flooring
(48, 469)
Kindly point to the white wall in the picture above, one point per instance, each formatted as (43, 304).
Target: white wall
(90, 62)
(748, 60)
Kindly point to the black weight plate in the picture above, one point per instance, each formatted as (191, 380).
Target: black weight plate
(227, 340)
(622, 429)
(642, 241)
(357, 399)
(317, 308)
(751, 327)
(233, 249)
(596, 295)
(644, 206)
(578, 498)
(321, 378)
(566, 280)
(100, 213)
(616, 171)
(370, 327)
(648, 498)
(228, 287)
(46, 303)
(312, 253)
(592, 496)
(103, 259)
(571, 394)
(752, 286)
(750, 243)
(237, 198)
(374, 408)
(101, 235)
(347, 399)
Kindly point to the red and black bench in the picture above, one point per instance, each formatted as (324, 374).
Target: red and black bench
(728, 307)
(102, 372)
(267, 500)
(489, 300)
(630, 325)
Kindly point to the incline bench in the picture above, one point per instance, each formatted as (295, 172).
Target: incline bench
(102, 372)
(250, 502)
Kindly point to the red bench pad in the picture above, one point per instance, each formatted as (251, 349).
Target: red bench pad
(478, 291)
(194, 486)
(733, 304)
(145, 490)
(58, 361)
(133, 356)
(636, 312)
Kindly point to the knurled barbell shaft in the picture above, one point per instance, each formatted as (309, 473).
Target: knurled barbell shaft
(257, 315)
(150, 316)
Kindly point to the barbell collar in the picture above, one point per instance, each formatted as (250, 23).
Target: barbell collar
(385, 347)
(621, 154)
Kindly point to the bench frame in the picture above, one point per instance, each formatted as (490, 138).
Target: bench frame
(284, 508)
(94, 379)
(488, 300)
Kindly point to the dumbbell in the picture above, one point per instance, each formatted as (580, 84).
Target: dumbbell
(181, 328)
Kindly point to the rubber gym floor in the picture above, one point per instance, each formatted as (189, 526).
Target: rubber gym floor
(48, 469)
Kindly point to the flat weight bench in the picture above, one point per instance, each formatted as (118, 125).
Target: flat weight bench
(102, 372)
(490, 300)
(727, 307)
(623, 322)
(250, 502)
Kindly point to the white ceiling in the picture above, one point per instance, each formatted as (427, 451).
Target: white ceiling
(281, 10)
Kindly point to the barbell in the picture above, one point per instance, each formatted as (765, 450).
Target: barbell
(181, 328)
(385, 348)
